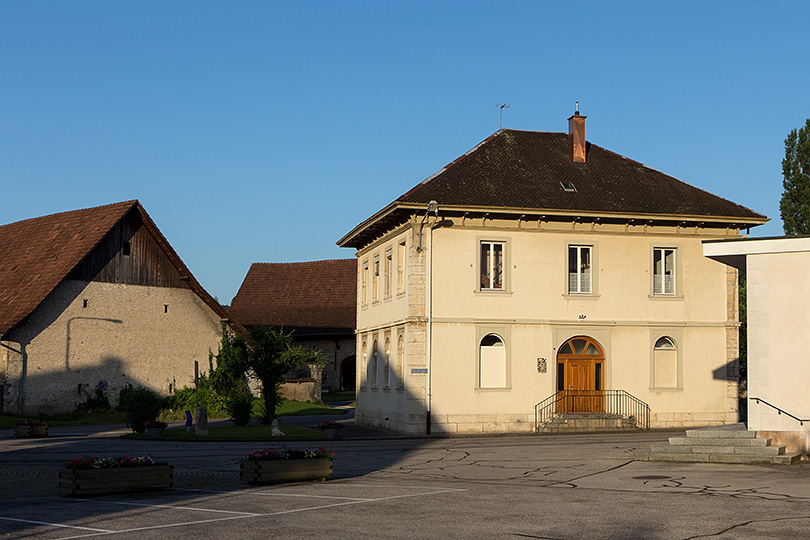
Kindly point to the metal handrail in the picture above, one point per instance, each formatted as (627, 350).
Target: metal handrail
(800, 420)
(613, 402)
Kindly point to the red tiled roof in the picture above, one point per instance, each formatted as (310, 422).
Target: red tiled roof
(308, 297)
(37, 254)
(523, 171)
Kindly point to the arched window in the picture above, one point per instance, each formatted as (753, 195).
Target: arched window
(400, 361)
(364, 365)
(492, 362)
(387, 364)
(374, 358)
(665, 344)
(665, 363)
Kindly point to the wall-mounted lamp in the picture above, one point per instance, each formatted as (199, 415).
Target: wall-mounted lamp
(433, 206)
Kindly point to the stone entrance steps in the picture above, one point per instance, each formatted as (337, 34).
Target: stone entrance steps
(719, 445)
(587, 423)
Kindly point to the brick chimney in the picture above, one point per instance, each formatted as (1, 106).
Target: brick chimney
(576, 137)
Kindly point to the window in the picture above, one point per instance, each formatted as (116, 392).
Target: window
(374, 358)
(664, 271)
(387, 364)
(375, 284)
(364, 284)
(665, 363)
(364, 365)
(492, 362)
(127, 249)
(492, 263)
(579, 269)
(401, 268)
(389, 259)
(400, 360)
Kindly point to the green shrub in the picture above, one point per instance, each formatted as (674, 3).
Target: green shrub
(97, 402)
(139, 405)
(185, 399)
(241, 408)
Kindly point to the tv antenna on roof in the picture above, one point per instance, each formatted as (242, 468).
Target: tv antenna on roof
(502, 106)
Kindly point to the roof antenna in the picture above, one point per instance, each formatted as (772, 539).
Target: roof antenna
(502, 107)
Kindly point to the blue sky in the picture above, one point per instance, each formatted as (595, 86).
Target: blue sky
(264, 131)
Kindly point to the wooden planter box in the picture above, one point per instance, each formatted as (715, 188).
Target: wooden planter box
(30, 431)
(284, 470)
(101, 481)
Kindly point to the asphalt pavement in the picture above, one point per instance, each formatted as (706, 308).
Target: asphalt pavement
(385, 486)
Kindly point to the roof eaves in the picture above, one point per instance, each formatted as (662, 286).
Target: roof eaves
(603, 214)
(387, 211)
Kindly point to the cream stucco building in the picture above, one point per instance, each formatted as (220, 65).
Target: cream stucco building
(97, 298)
(778, 296)
(539, 266)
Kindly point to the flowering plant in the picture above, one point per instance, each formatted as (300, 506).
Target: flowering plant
(330, 424)
(93, 462)
(151, 424)
(273, 454)
(31, 423)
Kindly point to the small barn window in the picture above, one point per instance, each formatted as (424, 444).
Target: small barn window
(127, 249)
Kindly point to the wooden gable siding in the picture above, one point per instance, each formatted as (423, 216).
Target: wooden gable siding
(146, 263)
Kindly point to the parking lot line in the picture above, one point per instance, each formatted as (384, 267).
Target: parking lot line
(171, 507)
(100, 531)
(340, 501)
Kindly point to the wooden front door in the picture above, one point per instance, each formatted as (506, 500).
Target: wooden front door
(580, 363)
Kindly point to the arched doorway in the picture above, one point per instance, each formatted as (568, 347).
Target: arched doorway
(348, 373)
(580, 375)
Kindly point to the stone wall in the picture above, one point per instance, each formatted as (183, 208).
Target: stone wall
(87, 333)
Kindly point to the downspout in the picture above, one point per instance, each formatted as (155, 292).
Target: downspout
(23, 362)
(433, 206)
(429, 331)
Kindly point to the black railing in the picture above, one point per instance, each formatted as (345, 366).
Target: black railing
(607, 402)
(781, 411)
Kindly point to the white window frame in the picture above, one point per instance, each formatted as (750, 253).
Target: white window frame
(578, 286)
(389, 260)
(491, 265)
(401, 254)
(364, 284)
(665, 271)
(375, 280)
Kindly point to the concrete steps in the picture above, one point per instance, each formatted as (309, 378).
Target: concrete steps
(587, 423)
(719, 445)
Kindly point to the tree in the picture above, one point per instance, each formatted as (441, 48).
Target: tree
(271, 354)
(795, 204)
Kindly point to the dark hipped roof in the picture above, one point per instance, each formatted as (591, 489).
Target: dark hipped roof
(317, 297)
(37, 254)
(523, 171)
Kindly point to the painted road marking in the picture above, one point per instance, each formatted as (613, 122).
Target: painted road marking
(100, 531)
(345, 501)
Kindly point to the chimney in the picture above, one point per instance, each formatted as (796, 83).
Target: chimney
(576, 137)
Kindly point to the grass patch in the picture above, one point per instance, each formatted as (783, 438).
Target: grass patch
(300, 408)
(7, 421)
(238, 433)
